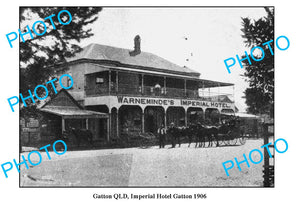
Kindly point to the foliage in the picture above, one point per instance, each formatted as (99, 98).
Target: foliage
(260, 74)
(40, 54)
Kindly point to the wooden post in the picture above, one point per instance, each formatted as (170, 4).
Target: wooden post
(202, 89)
(109, 82)
(108, 125)
(185, 92)
(266, 157)
(233, 93)
(142, 89)
(87, 123)
(84, 87)
(185, 117)
(63, 128)
(143, 121)
(165, 116)
(165, 85)
(117, 122)
(218, 91)
(268, 169)
(117, 82)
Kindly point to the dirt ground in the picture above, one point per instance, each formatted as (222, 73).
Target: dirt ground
(184, 166)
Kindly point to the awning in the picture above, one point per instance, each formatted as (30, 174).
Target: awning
(241, 115)
(245, 115)
(73, 113)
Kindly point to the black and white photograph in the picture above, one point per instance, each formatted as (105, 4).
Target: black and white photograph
(149, 106)
(144, 97)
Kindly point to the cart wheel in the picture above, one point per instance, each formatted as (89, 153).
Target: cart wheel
(242, 140)
(227, 141)
(234, 141)
(231, 141)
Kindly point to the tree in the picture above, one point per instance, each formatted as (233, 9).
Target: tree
(260, 74)
(40, 54)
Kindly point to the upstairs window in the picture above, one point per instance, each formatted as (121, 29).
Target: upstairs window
(69, 81)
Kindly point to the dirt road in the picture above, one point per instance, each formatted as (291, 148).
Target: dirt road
(184, 166)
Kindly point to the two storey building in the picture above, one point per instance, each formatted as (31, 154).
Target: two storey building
(140, 91)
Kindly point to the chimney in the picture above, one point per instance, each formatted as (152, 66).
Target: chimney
(137, 46)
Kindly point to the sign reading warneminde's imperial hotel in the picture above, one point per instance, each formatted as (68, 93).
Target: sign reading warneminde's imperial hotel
(140, 91)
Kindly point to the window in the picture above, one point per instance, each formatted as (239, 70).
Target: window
(99, 80)
(69, 81)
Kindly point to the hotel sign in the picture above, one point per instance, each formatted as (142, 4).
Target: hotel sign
(126, 100)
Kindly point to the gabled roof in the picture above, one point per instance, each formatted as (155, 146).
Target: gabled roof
(122, 56)
(64, 105)
(62, 99)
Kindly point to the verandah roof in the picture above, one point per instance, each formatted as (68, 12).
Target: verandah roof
(64, 105)
(68, 112)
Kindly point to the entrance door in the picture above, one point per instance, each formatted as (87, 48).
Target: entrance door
(154, 117)
(150, 124)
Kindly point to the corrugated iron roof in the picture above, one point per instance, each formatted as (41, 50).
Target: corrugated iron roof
(70, 112)
(121, 55)
(246, 115)
(68, 108)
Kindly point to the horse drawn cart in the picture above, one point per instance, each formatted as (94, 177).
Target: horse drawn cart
(225, 134)
(234, 136)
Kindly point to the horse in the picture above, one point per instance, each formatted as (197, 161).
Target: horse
(178, 132)
(175, 132)
(207, 132)
(198, 131)
(224, 131)
(195, 132)
(186, 132)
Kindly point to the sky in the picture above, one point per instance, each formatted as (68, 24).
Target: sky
(213, 35)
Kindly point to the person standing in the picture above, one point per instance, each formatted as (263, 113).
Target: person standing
(173, 133)
(161, 136)
(157, 89)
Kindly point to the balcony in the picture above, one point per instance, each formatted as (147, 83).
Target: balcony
(148, 91)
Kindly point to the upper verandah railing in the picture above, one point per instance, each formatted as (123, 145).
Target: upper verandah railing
(152, 91)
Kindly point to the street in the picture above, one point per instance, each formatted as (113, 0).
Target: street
(151, 167)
